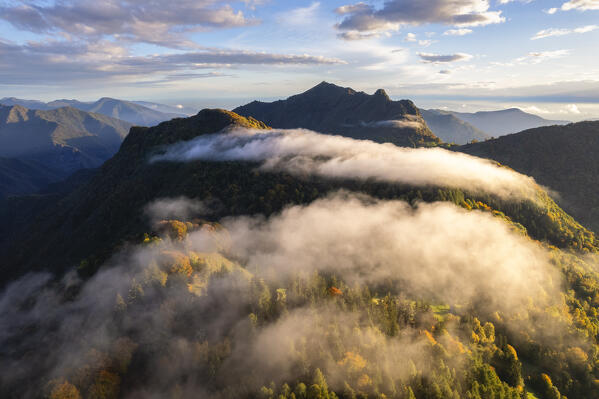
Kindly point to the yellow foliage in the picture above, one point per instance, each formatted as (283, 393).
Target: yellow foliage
(453, 345)
(512, 351)
(430, 337)
(174, 229)
(106, 386)
(176, 263)
(364, 381)
(577, 355)
(64, 390)
(353, 362)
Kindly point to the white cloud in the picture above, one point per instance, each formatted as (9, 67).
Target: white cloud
(582, 5)
(573, 109)
(563, 32)
(541, 56)
(60, 61)
(363, 17)
(457, 32)
(138, 21)
(305, 152)
(443, 58)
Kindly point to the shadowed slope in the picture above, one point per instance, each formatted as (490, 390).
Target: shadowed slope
(327, 108)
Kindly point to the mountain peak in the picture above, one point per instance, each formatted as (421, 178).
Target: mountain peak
(329, 90)
(328, 108)
(141, 139)
(381, 93)
(16, 114)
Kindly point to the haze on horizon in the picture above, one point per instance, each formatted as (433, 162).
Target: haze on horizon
(465, 55)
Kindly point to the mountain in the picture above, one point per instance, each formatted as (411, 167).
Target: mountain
(499, 123)
(19, 177)
(203, 283)
(563, 158)
(32, 104)
(130, 112)
(108, 210)
(125, 110)
(45, 146)
(450, 128)
(253, 282)
(328, 108)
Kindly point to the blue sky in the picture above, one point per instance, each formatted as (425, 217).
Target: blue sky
(539, 55)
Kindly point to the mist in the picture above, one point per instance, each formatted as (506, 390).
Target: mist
(303, 152)
(147, 296)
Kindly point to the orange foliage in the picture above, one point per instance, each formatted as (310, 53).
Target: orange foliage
(353, 361)
(176, 262)
(64, 390)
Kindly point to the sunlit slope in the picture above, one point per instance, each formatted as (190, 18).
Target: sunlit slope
(106, 212)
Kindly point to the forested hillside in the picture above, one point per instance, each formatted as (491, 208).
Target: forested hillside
(224, 259)
(42, 147)
(559, 157)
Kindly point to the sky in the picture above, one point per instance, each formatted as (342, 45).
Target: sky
(465, 55)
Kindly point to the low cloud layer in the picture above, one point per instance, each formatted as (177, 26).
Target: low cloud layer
(372, 241)
(474, 257)
(306, 152)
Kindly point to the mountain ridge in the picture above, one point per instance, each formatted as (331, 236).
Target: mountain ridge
(128, 111)
(62, 140)
(107, 211)
(502, 122)
(331, 109)
(562, 158)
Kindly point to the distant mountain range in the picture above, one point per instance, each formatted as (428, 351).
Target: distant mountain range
(39, 147)
(563, 158)
(135, 113)
(332, 109)
(450, 128)
(500, 123)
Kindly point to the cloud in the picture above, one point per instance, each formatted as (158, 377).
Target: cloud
(396, 123)
(563, 32)
(457, 32)
(573, 109)
(437, 58)
(537, 57)
(300, 15)
(582, 5)
(478, 262)
(137, 21)
(411, 37)
(370, 241)
(362, 17)
(61, 61)
(175, 208)
(305, 152)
